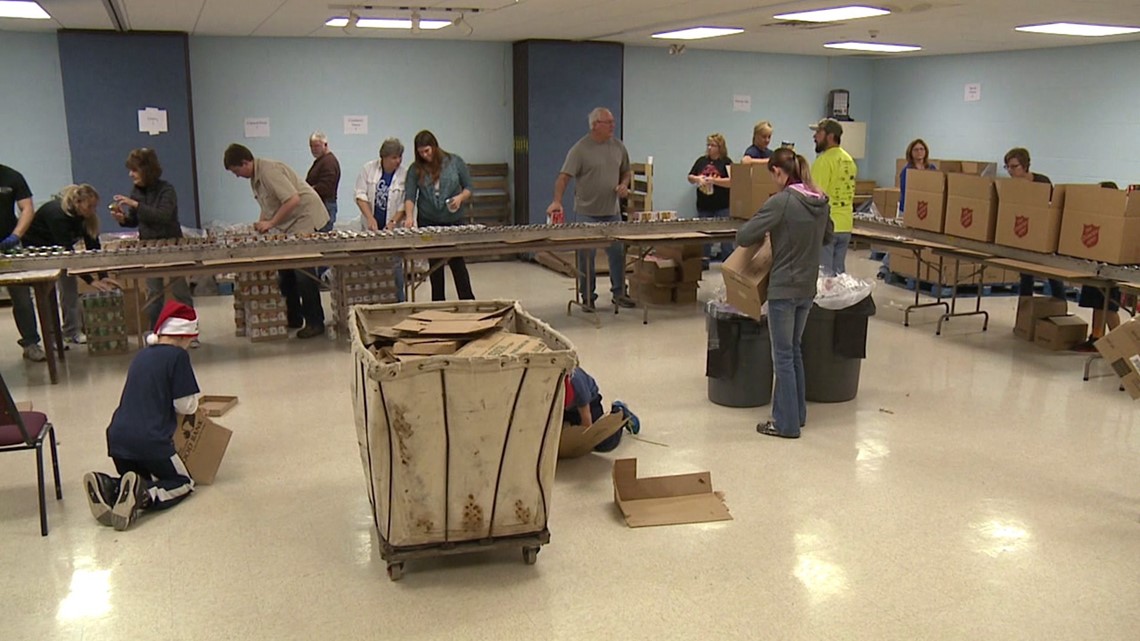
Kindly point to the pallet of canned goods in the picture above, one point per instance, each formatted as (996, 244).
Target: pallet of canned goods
(104, 316)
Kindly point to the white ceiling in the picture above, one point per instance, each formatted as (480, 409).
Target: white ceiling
(940, 27)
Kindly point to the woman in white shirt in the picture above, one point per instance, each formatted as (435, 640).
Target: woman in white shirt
(380, 194)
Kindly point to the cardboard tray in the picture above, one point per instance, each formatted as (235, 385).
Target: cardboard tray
(666, 500)
(216, 405)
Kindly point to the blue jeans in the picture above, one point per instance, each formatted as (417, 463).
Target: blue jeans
(833, 255)
(331, 208)
(24, 311)
(725, 246)
(615, 254)
(401, 285)
(786, 320)
(1056, 287)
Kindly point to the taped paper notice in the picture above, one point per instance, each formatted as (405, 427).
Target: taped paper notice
(973, 92)
(152, 121)
(256, 127)
(741, 103)
(356, 125)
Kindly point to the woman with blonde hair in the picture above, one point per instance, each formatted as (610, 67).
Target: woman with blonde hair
(761, 138)
(62, 222)
(711, 175)
(798, 218)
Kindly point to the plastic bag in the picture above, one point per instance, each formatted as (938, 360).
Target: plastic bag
(842, 291)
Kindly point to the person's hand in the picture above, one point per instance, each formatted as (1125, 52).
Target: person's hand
(370, 224)
(409, 222)
(118, 215)
(125, 200)
(263, 226)
(622, 190)
(554, 208)
(102, 285)
(11, 242)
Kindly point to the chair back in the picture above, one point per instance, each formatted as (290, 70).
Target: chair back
(9, 415)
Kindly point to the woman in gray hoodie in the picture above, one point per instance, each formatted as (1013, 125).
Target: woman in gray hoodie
(798, 218)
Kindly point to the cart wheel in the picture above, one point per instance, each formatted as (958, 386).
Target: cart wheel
(395, 571)
(530, 554)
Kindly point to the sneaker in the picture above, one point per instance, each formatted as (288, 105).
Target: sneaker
(195, 343)
(309, 331)
(76, 339)
(35, 352)
(632, 423)
(1087, 347)
(102, 492)
(624, 301)
(589, 309)
(132, 499)
(768, 428)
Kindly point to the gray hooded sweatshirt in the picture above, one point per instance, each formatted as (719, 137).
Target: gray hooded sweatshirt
(799, 220)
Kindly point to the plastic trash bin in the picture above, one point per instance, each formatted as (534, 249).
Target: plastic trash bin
(834, 344)
(739, 360)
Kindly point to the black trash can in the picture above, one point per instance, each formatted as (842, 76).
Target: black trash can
(834, 345)
(739, 360)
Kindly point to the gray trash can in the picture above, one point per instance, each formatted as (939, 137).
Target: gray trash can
(739, 360)
(834, 345)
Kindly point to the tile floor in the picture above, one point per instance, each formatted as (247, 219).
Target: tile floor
(976, 488)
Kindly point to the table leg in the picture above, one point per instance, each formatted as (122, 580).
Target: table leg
(49, 326)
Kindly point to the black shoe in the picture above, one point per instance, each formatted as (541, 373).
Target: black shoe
(102, 492)
(589, 309)
(132, 499)
(309, 331)
(769, 429)
(624, 301)
(1087, 347)
(295, 325)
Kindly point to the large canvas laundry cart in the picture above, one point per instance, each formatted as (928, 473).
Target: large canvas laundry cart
(458, 448)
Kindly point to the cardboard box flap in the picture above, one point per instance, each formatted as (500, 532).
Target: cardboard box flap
(745, 276)
(446, 327)
(443, 315)
(966, 186)
(501, 344)
(1015, 191)
(576, 441)
(1098, 200)
(201, 444)
(1068, 320)
(425, 348)
(666, 500)
(932, 182)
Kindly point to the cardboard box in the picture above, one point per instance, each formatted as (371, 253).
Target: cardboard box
(903, 263)
(691, 269)
(578, 441)
(1028, 218)
(653, 294)
(1031, 309)
(887, 201)
(201, 444)
(1059, 333)
(666, 500)
(751, 185)
(679, 253)
(216, 405)
(685, 293)
(971, 207)
(1100, 224)
(925, 200)
(655, 270)
(1120, 348)
(500, 344)
(746, 278)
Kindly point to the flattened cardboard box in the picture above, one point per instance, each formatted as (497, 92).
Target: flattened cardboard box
(201, 444)
(576, 441)
(666, 500)
(746, 278)
(501, 344)
(1120, 348)
(1059, 333)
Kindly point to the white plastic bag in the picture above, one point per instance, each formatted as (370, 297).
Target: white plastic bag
(842, 291)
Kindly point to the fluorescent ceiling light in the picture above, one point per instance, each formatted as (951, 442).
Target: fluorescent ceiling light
(878, 47)
(388, 23)
(697, 33)
(22, 9)
(1074, 29)
(835, 14)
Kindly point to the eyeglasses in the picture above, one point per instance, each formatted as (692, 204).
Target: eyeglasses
(1012, 167)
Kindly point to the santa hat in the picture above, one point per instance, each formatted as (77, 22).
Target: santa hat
(177, 319)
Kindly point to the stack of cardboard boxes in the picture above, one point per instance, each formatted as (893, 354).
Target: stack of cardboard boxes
(105, 318)
(1043, 321)
(363, 284)
(671, 275)
(259, 307)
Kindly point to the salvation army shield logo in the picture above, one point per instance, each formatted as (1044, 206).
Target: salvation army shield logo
(1090, 235)
(923, 209)
(967, 217)
(1021, 226)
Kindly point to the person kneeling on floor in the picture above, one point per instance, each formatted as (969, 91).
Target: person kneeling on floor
(583, 406)
(140, 440)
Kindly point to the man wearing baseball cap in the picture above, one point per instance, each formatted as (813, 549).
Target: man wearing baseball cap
(834, 172)
(140, 440)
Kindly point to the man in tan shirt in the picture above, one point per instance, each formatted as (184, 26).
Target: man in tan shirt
(291, 206)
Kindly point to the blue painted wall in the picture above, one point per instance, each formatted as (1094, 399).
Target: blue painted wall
(461, 91)
(33, 127)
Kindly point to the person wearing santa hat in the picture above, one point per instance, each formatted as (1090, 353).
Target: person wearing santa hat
(140, 440)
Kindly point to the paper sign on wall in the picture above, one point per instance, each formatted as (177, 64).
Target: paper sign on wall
(741, 103)
(355, 125)
(973, 92)
(256, 127)
(152, 121)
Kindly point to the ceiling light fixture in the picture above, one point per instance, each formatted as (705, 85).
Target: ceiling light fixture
(697, 33)
(834, 14)
(22, 9)
(386, 23)
(1075, 29)
(877, 47)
